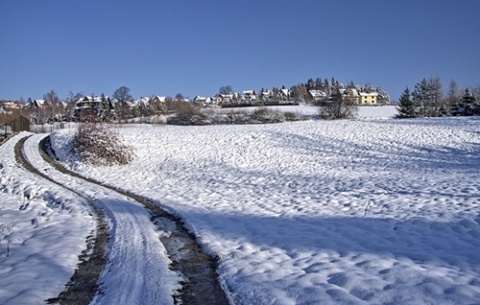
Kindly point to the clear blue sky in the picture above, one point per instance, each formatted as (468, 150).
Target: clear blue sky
(195, 47)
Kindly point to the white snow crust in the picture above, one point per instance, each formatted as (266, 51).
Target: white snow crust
(46, 228)
(137, 271)
(366, 211)
(370, 211)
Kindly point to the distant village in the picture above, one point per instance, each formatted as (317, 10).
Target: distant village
(81, 108)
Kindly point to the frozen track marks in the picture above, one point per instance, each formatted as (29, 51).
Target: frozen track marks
(83, 283)
(152, 259)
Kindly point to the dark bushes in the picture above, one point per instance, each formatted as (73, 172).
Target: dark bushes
(261, 115)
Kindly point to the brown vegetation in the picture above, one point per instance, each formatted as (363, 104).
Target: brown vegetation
(99, 145)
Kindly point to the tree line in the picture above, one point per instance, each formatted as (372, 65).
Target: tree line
(428, 100)
(80, 107)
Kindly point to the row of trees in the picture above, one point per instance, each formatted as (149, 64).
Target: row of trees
(79, 107)
(428, 100)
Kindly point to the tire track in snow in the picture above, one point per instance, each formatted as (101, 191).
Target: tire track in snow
(82, 286)
(136, 272)
(137, 217)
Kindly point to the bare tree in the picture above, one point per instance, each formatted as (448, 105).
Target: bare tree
(122, 95)
(437, 94)
(70, 110)
(476, 90)
(453, 96)
(52, 102)
(339, 106)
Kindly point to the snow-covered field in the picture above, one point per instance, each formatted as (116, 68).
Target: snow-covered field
(368, 211)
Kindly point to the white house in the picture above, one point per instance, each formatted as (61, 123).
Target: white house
(285, 94)
(224, 98)
(249, 95)
(159, 99)
(202, 100)
(38, 103)
(317, 95)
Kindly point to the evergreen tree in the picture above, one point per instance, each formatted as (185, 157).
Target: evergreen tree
(469, 105)
(383, 97)
(310, 84)
(319, 84)
(406, 106)
(424, 98)
(351, 85)
(326, 86)
(367, 88)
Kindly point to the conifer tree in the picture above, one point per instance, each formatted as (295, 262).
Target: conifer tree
(469, 105)
(423, 98)
(326, 86)
(406, 106)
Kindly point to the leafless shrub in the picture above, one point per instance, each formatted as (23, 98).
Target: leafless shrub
(339, 108)
(291, 116)
(265, 115)
(188, 114)
(261, 115)
(99, 145)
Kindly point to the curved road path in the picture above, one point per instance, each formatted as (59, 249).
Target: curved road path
(83, 284)
(151, 258)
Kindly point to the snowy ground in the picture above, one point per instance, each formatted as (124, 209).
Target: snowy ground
(46, 228)
(344, 212)
(370, 211)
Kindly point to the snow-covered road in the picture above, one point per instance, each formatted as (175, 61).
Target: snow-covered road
(138, 268)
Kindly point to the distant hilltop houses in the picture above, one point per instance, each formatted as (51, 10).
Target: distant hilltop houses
(247, 98)
(372, 97)
(123, 106)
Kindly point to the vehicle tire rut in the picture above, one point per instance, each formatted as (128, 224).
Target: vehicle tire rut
(83, 284)
(201, 285)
